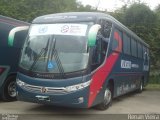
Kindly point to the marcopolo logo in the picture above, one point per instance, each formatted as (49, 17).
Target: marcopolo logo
(43, 90)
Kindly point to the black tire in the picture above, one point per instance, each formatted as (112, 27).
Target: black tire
(140, 89)
(9, 89)
(107, 100)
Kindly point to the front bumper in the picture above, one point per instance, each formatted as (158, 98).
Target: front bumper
(77, 99)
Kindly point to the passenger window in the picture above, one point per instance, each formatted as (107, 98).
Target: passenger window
(140, 51)
(126, 44)
(146, 58)
(116, 42)
(134, 48)
(144, 51)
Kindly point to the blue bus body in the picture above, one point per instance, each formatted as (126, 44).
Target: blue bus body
(118, 63)
(12, 36)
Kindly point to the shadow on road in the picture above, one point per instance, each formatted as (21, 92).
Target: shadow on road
(66, 110)
(57, 110)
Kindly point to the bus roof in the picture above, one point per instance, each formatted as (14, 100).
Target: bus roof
(12, 22)
(83, 17)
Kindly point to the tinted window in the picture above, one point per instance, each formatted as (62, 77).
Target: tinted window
(126, 44)
(115, 45)
(134, 48)
(140, 50)
(106, 28)
(144, 51)
(99, 52)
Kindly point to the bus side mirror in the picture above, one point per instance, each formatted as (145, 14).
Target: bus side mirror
(92, 35)
(13, 32)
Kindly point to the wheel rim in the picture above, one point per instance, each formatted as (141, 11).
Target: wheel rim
(12, 89)
(107, 96)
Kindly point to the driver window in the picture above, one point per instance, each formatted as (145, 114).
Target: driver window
(99, 52)
(101, 43)
(106, 28)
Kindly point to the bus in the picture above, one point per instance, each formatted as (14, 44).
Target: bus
(12, 35)
(80, 59)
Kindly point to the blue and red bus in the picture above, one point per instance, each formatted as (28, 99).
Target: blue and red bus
(81, 60)
(12, 35)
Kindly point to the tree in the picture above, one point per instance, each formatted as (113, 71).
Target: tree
(27, 10)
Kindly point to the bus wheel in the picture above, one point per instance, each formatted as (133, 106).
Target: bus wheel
(107, 99)
(9, 89)
(140, 89)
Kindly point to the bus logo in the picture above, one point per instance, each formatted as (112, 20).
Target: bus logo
(43, 90)
(43, 29)
(65, 29)
(126, 64)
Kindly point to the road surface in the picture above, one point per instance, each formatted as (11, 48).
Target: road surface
(147, 102)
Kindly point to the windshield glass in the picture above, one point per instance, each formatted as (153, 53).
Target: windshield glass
(56, 48)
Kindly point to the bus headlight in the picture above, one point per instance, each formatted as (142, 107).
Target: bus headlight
(20, 83)
(78, 86)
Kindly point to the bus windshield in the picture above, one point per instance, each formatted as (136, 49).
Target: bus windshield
(53, 48)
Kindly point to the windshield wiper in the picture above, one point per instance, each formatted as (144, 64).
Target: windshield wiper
(43, 51)
(59, 64)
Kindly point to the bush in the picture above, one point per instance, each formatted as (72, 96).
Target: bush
(154, 79)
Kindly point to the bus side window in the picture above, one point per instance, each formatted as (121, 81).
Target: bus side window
(146, 59)
(115, 43)
(134, 47)
(145, 54)
(140, 54)
(144, 51)
(126, 44)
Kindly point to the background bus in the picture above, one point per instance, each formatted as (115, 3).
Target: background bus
(81, 60)
(12, 36)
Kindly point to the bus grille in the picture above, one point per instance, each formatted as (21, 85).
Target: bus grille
(41, 89)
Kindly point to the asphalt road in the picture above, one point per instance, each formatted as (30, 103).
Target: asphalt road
(147, 102)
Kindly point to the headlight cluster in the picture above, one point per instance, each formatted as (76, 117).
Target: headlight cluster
(78, 86)
(20, 83)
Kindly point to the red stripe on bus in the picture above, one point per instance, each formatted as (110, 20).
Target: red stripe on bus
(102, 73)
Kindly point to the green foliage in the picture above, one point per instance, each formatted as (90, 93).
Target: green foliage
(27, 10)
(154, 79)
(153, 86)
